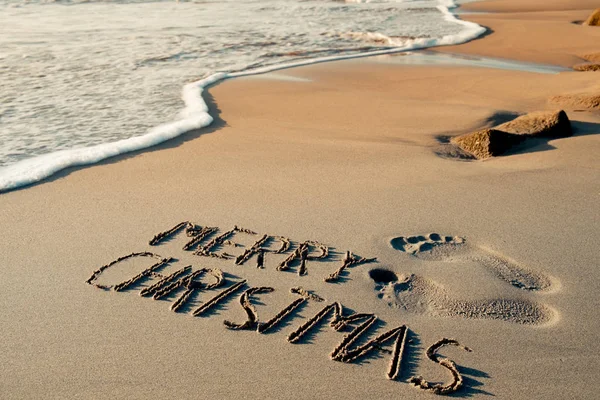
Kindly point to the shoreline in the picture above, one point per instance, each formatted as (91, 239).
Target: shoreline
(198, 116)
(498, 254)
(194, 114)
(42, 168)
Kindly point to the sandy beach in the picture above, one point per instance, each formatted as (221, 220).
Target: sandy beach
(500, 255)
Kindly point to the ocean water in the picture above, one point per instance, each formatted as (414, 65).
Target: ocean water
(83, 80)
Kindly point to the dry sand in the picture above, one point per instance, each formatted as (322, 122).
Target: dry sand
(534, 30)
(344, 155)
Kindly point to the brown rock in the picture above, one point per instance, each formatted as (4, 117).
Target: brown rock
(592, 57)
(587, 67)
(583, 101)
(493, 142)
(485, 143)
(550, 124)
(594, 19)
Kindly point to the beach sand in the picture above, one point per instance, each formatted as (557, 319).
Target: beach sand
(536, 31)
(343, 154)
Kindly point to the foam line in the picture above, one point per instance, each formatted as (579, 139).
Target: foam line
(195, 114)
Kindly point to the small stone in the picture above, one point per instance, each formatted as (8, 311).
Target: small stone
(485, 143)
(587, 67)
(591, 57)
(594, 19)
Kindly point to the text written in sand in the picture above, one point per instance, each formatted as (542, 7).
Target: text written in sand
(182, 283)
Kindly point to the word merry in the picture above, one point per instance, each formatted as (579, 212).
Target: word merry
(304, 251)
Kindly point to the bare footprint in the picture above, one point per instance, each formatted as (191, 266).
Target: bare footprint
(435, 247)
(418, 295)
(432, 246)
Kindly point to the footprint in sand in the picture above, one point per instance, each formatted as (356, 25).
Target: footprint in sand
(436, 247)
(417, 294)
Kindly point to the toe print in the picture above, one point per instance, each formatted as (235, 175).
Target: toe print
(435, 247)
(432, 247)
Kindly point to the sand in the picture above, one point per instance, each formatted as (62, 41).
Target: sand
(535, 31)
(500, 255)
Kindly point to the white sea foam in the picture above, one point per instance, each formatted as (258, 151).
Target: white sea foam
(196, 115)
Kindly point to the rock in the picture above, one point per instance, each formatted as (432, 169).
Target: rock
(587, 67)
(549, 124)
(496, 141)
(582, 101)
(594, 19)
(591, 57)
(485, 143)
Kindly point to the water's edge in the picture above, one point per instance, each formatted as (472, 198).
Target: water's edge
(195, 114)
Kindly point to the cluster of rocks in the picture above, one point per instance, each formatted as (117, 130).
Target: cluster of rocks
(592, 64)
(495, 141)
(593, 59)
(587, 67)
(589, 100)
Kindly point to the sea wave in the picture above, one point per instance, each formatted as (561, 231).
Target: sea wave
(196, 115)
